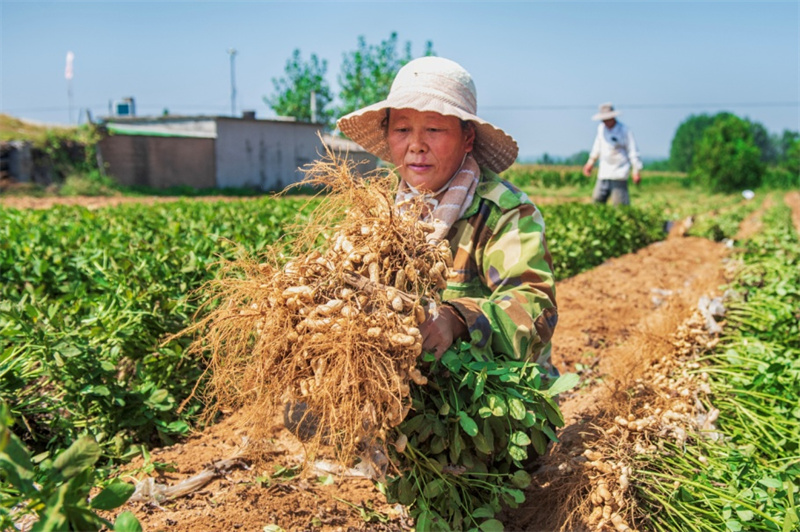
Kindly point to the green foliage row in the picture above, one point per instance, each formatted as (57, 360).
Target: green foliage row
(87, 296)
(748, 477)
(723, 222)
(529, 176)
(582, 236)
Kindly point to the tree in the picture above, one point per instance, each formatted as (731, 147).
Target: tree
(367, 72)
(686, 137)
(727, 159)
(765, 143)
(787, 142)
(546, 159)
(293, 91)
(791, 154)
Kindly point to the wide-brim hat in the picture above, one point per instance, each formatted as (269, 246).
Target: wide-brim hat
(441, 86)
(607, 112)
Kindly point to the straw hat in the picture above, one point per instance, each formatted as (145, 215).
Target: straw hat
(432, 84)
(606, 111)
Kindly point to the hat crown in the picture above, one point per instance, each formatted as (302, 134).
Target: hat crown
(438, 78)
(606, 107)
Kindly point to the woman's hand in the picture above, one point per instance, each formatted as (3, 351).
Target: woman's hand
(441, 331)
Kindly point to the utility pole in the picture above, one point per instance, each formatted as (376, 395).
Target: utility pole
(68, 77)
(232, 52)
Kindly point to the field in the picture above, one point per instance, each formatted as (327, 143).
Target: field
(674, 425)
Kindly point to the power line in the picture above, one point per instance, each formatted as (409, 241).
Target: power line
(567, 107)
(515, 107)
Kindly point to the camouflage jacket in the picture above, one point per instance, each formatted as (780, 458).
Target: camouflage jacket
(502, 282)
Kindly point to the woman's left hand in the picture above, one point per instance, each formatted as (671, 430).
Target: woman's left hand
(441, 331)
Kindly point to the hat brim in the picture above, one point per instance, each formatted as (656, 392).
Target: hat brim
(606, 116)
(493, 148)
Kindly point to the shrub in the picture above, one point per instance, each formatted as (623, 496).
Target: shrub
(726, 158)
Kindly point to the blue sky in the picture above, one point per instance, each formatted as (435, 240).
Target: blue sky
(541, 68)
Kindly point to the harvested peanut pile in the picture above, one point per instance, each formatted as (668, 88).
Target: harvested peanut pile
(332, 332)
(665, 404)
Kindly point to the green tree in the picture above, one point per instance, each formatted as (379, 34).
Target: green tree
(785, 143)
(686, 138)
(767, 144)
(546, 159)
(727, 159)
(791, 155)
(293, 92)
(368, 71)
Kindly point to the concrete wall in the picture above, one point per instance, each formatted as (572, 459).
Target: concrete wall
(160, 162)
(263, 154)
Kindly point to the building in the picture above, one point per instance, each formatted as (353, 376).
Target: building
(205, 152)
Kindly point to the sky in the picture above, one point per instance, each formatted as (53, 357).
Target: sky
(540, 68)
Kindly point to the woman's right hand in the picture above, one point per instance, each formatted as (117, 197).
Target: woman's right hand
(441, 331)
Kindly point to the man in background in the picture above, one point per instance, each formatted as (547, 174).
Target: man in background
(616, 149)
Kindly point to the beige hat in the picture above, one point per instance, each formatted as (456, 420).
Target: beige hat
(606, 111)
(432, 84)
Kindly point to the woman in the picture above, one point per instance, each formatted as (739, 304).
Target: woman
(501, 294)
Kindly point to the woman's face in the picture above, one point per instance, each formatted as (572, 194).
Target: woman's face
(427, 147)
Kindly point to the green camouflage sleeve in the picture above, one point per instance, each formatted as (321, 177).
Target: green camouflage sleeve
(502, 281)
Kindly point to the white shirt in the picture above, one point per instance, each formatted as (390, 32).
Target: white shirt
(616, 150)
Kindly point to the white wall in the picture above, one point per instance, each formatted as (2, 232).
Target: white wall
(263, 154)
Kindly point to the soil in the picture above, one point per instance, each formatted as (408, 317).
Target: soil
(609, 319)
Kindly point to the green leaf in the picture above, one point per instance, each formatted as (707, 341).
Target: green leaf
(485, 412)
(113, 496)
(54, 516)
(437, 445)
(406, 493)
(517, 495)
(480, 382)
(456, 447)
(521, 479)
(491, 525)
(483, 511)
(563, 383)
(452, 361)
(529, 420)
(771, 483)
(516, 408)
(433, 489)
(498, 406)
(83, 453)
(520, 438)
(481, 444)
(517, 453)
(733, 525)
(467, 423)
(424, 522)
(553, 413)
(413, 425)
(539, 441)
(15, 461)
